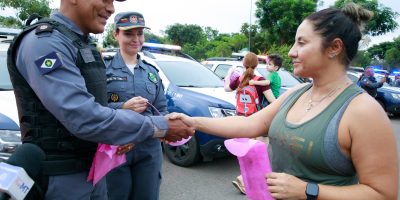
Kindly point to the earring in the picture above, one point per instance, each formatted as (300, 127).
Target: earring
(332, 55)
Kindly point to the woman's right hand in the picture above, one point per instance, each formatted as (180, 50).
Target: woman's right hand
(137, 104)
(180, 116)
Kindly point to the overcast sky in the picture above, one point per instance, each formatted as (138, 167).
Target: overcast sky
(226, 16)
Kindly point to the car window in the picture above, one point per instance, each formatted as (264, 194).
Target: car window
(189, 74)
(5, 82)
(287, 79)
(221, 70)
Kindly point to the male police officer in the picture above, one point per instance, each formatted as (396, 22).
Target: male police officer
(368, 82)
(60, 87)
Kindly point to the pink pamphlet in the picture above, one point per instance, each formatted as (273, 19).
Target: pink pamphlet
(105, 159)
(254, 164)
(180, 142)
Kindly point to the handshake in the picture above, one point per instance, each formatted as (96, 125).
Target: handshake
(179, 126)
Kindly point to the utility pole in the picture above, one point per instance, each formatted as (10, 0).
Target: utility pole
(251, 6)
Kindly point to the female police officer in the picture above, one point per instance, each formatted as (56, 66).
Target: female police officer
(132, 83)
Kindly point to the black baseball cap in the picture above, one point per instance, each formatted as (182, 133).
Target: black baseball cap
(129, 20)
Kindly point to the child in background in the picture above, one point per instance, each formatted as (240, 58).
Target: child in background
(274, 63)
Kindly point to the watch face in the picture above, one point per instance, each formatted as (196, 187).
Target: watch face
(312, 189)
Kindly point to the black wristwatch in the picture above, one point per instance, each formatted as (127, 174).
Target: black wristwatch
(312, 191)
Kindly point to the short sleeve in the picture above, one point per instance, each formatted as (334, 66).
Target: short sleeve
(234, 83)
(261, 89)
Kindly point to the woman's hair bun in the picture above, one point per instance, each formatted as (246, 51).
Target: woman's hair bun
(358, 14)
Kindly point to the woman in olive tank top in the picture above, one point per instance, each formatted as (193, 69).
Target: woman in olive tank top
(328, 139)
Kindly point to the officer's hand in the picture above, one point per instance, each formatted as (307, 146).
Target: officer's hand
(178, 130)
(383, 79)
(137, 104)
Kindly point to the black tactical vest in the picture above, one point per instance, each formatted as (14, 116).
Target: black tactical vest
(65, 153)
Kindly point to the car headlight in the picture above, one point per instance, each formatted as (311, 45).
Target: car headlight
(395, 96)
(9, 140)
(221, 112)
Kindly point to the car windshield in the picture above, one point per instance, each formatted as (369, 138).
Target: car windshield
(189, 74)
(287, 79)
(5, 82)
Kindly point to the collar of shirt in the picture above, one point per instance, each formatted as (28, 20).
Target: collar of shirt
(118, 61)
(58, 16)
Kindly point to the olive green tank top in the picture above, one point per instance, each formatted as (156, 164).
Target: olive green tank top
(310, 151)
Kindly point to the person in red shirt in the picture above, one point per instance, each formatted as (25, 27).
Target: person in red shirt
(235, 81)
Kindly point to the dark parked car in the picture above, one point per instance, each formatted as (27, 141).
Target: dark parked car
(387, 96)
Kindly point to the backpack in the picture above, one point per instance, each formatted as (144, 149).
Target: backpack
(247, 101)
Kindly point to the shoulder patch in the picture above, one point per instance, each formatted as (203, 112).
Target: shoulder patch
(48, 62)
(43, 28)
(147, 63)
(152, 77)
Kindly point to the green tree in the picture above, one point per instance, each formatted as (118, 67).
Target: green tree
(24, 8)
(237, 41)
(378, 51)
(182, 34)
(384, 19)
(362, 59)
(197, 51)
(210, 33)
(262, 41)
(283, 51)
(109, 41)
(392, 57)
(10, 22)
(280, 18)
(250, 32)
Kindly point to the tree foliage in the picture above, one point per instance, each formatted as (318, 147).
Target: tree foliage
(283, 51)
(109, 40)
(280, 19)
(392, 57)
(362, 59)
(24, 8)
(384, 19)
(10, 22)
(182, 34)
(378, 51)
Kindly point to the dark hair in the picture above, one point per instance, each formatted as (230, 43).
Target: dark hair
(345, 24)
(250, 62)
(276, 59)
